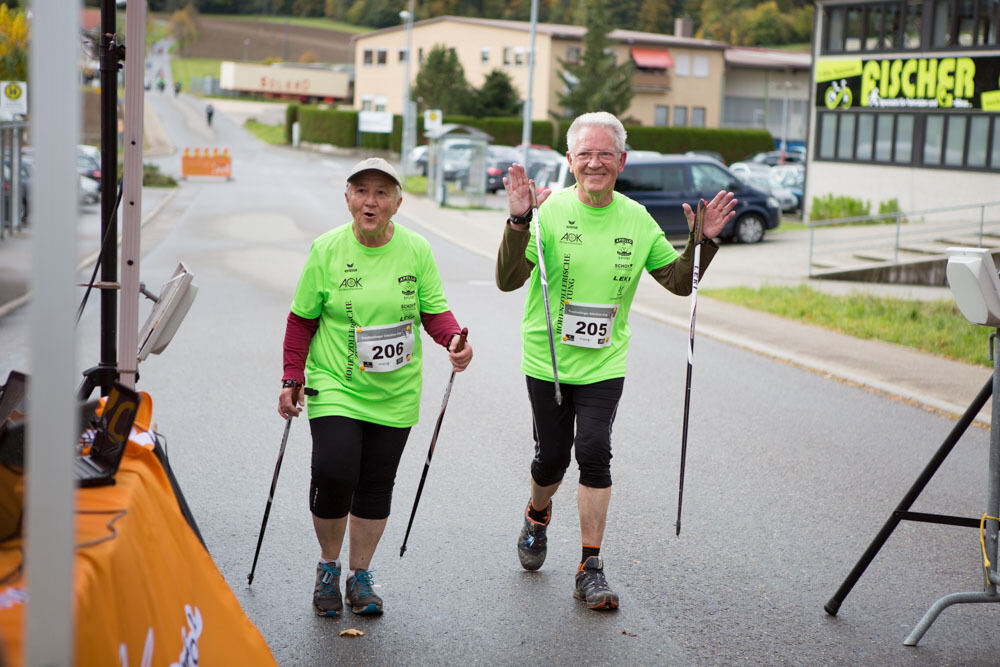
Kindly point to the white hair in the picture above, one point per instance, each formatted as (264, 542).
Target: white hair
(601, 119)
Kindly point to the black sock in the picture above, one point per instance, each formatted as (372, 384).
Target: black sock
(589, 551)
(538, 516)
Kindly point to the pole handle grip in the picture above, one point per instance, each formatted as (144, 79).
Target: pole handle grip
(461, 339)
(699, 221)
(531, 193)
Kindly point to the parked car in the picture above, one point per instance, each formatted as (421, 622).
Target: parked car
(418, 159)
(772, 158)
(90, 190)
(665, 182)
(88, 162)
(793, 177)
(498, 161)
(764, 177)
(709, 154)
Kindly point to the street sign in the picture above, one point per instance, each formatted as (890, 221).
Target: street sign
(432, 119)
(14, 97)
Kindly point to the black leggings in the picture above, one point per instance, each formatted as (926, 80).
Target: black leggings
(592, 407)
(353, 467)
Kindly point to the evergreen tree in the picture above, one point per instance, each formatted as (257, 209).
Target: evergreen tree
(497, 97)
(441, 83)
(655, 16)
(596, 83)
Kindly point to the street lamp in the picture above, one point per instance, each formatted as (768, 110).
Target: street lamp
(409, 119)
(246, 49)
(787, 86)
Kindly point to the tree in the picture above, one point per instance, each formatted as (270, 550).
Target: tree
(497, 97)
(13, 45)
(183, 27)
(655, 16)
(441, 83)
(596, 83)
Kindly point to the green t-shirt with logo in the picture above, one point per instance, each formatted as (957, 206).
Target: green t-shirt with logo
(350, 286)
(594, 258)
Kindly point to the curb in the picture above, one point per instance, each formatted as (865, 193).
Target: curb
(14, 304)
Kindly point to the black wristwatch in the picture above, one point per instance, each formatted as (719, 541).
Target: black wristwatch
(290, 383)
(522, 219)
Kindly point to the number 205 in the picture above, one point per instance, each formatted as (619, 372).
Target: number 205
(592, 328)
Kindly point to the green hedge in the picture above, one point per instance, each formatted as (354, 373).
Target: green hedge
(340, 128)
(733, 144)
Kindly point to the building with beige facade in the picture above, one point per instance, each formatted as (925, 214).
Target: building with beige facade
(678, 80)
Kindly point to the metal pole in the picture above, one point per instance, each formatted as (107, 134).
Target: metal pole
(784, 121)
(48, 557)
(526, 123)
(409, 126)
(270, 495)
(895, 252)
(109, 180)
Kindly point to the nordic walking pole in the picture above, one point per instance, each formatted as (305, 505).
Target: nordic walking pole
(545, 288)
(699, 220)
(434, 437)
(274, 483)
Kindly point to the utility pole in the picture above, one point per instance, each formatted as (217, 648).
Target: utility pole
(526, 126)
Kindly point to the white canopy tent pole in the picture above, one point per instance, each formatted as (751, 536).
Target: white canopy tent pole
(48, 554)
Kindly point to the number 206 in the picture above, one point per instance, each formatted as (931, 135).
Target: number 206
(387, 351)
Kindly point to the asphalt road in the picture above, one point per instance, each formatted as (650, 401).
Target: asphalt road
(789, 473)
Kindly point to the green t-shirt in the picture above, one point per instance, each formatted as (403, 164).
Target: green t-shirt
(347, 286)
(594, 258)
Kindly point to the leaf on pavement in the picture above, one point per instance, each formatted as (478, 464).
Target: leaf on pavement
(352, 632)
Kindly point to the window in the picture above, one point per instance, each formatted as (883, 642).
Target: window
(873, 28)
(912, 24)
(697, 116)
(380, 102)
(683, 64)
(382, 56)
(883, 137)
(420, 55)
(484, 55)
(966, 22)
(827, 135)
(701, 66)
(402, 55)
(519, 56)
(680, 116)
(852, 29)
(904, 138)
(933, 138)
(508, 55)
(942, 23)
(891, 27)
(835, 30)
(572, 54)
(366, 103)
(845, 139)
(369, 57)
(987, 22)
(661, 116)
(995, 159)
(866, 137)
(640, 177)
(709, 177)
(954, 144)
(979, 129)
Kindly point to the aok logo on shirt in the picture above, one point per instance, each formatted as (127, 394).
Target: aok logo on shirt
(351, 283)
(571, 237)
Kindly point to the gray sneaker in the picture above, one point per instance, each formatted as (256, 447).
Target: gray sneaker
(532, 543)
(326, 594)
(593, 587)
(360, 595)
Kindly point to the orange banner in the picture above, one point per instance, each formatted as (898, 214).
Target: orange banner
(146, 591)
(202, 163)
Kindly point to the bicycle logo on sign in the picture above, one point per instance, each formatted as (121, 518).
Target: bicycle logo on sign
(838, 95)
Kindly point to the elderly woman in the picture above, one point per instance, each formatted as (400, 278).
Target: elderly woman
(353, 331)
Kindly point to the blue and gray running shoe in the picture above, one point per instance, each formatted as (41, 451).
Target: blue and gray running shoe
(326, 594)
(532, 543)
(360, 595)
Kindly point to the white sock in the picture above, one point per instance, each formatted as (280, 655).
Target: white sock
(335, 562)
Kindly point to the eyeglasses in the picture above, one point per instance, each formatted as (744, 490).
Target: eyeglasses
(603, 156)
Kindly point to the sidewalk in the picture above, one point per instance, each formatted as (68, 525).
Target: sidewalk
(897, 371)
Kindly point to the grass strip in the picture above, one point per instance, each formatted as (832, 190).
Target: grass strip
(934, 327)
(184, 69)
(271, 134)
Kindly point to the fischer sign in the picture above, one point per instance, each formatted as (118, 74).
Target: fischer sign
(910, 83)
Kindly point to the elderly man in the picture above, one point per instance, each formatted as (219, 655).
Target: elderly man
(595, 243)
(366, 289)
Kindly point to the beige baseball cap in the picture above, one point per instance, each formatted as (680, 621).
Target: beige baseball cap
(375, 164)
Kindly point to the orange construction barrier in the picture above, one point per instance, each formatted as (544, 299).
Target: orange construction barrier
(201, 163)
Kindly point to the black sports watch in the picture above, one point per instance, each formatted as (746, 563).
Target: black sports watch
(522, 219)
(290, 383)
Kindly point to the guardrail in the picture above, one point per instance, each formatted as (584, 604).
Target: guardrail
(910, 236)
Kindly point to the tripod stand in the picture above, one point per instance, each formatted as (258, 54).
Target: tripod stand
(902, 511)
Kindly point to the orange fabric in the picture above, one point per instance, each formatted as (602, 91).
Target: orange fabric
(145, 584)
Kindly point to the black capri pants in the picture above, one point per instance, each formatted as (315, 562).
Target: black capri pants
(591, 409)
(353, 467)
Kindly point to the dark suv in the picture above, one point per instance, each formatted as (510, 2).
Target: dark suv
(662, 183)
